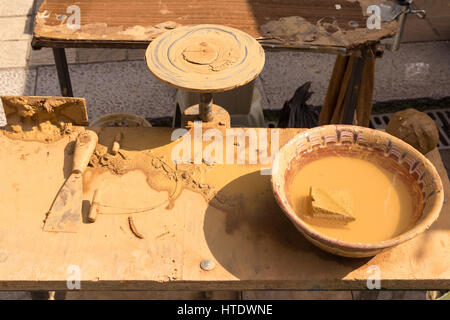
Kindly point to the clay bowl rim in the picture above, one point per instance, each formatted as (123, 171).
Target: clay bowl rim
(417, 229)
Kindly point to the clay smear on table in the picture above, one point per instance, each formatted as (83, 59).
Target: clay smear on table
(332, 30)
(147, 152)
(162, 174)
(56, 24)
(384, 204)
(44, 119)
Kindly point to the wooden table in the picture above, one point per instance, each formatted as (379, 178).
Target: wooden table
(134, 23)
(252, 244)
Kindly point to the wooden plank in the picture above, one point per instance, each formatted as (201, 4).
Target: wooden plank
(65, 109)
(135, 23)
(251, 242)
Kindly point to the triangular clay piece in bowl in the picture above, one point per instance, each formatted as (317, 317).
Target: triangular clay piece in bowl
(331, 204)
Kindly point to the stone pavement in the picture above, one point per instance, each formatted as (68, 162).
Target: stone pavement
(117, 80)
(229, 295)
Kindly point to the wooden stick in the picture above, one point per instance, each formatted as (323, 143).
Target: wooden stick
(116, 144)
(333, 99)
(364, 107)
(94, 206)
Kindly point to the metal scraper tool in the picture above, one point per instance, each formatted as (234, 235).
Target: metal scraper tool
(65, 213)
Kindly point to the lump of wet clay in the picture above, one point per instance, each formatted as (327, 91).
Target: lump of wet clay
(331, 205)
(415, 128)
(290, 29)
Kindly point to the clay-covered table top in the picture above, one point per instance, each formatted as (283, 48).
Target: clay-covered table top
(219, 212)
(321, 25)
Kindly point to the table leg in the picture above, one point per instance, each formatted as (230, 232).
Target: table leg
(350, 91)
(353, 88)
(63, 72)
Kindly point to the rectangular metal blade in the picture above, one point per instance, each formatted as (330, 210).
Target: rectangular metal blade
(65, 214)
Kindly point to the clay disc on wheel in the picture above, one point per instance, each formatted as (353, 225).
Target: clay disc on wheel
(205, 58)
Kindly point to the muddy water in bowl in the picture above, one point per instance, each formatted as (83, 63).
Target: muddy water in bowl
(349, 198)
(370, 161)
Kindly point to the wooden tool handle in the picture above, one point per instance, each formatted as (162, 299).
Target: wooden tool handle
(84, 147)
(94, 206)
(116, 144)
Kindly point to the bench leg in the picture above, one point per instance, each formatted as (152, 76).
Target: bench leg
(350, 89)
(353, 89)
(63, 72)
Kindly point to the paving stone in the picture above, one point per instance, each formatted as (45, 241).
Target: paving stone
(414, 295)
(285, 71)
(296, 295)
(44, 57)
(15, 28)
(16, 7)
(416, 70)
(17, 82)
(136, 54)
(389, 295)
(442, 26)
(15, 295)
(113, 87)
(38, 4)
(87, 55)
(151, 295)
(13, 53)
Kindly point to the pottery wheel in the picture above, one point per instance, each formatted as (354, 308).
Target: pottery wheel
(205, 58)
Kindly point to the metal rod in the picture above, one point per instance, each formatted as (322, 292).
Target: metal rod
(63, 72)
(205, 107)
(401, 27)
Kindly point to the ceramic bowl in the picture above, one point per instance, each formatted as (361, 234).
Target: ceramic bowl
(396, 154)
